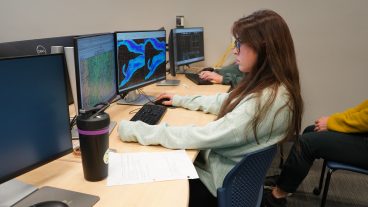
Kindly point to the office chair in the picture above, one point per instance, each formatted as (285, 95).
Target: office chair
(332, 167)
(243, 185)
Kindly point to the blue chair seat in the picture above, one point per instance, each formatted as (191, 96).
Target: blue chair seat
(340, 166)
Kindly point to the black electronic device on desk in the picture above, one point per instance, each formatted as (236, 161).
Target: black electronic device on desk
(50, 204)
(197, 80)
(35, 132)
(150, 114)
(160, 102)
(210, 69)
(186, 46)
(95, 65)
(38, 47)
(141, 60)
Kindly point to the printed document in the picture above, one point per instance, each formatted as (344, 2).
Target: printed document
(143, 167)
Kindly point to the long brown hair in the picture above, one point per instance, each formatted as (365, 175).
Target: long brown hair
(267, 33)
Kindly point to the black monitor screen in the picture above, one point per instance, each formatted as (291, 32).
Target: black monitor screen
(95, 69)
(188, 45)
(141, 58)
(35, 125)
(37, 47)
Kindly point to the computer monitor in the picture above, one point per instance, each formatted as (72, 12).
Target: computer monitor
(35, 126)
(34, 46)
(37, 47)
(95, 70)
(141, 60)
(186, 46)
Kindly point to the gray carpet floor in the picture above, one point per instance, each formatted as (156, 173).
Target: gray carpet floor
(346, 188)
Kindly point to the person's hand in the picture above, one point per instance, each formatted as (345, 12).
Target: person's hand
(211, 76)
(167, 96)
(321, 124)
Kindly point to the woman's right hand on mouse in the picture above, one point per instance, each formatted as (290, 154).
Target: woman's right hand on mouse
(167, 96)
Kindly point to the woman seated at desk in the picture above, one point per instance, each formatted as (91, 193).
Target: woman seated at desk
(264, 109)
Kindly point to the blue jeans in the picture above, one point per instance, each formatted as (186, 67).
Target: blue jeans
(333, 146)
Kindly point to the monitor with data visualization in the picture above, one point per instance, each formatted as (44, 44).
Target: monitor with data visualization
(95, 69)
(141, 58)
(35, 126)
(186, 46)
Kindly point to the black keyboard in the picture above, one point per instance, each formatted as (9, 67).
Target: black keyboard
(150, 114)
(197, 80)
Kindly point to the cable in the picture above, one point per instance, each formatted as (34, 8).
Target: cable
(134, 111)
(116, 99)
(73, 122)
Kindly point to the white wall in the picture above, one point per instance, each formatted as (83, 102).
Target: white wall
(330, 36)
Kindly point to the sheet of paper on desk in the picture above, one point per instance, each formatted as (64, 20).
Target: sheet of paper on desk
(143, 167)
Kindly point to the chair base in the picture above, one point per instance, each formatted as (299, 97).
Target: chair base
(316, 191)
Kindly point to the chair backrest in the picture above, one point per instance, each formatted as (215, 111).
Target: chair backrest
(243, 185)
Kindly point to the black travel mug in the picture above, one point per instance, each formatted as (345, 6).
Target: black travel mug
(94, 144)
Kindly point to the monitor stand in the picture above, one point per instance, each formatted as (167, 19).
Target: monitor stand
(75, 134)
(135, 98)
(47, 193)
(169, 83)
(13, 191)
(180, 70)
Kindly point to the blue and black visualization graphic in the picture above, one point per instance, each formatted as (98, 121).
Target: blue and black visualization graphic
(141, 60)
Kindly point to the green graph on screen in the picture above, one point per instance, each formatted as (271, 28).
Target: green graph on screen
(98, 77)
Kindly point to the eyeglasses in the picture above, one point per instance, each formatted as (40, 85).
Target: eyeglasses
(237, 44)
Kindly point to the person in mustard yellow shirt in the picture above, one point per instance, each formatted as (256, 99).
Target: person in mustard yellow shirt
(340, 137)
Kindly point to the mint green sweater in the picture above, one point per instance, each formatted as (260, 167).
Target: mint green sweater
(223, 142)
(231, 75)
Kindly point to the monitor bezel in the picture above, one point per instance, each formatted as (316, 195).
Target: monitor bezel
(56, 156)
(126, 90)
(21, 48)
(76, 60)
(172, 59)
(174, 45)
(31, 47)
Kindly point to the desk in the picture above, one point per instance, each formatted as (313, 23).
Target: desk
(67, 172)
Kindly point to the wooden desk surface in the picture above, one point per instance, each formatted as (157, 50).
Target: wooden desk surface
(67, 172)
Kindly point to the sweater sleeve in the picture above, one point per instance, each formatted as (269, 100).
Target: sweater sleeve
(230, 78)
(353, 120)
(207, 104)
(231, 74)
(228, 131)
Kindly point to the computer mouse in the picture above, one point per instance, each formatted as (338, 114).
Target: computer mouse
(159, 101)
(208, 69)
(50, 204)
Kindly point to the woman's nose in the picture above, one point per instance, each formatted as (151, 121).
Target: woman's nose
(235, 51)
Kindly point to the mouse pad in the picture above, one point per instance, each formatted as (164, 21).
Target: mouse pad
(72, 198)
